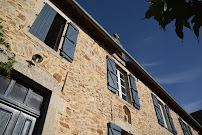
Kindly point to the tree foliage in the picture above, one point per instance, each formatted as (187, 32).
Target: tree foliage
(186, 13)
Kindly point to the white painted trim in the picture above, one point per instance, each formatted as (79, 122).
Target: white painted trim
(119, 83)
(163, 115)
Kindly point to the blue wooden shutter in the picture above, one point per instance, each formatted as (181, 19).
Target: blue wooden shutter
(183, 126)
(111, 75)
(43, 22)
(113, 129)
(190, 130)
(69, 42)
(134, 92)
(170, 120)
(158, 110)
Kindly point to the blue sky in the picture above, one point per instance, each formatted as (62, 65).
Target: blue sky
(175, 64)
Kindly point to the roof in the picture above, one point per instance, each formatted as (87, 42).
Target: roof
(72, 9)
(197, 116)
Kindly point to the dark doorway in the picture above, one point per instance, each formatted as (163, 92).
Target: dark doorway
(23, 105)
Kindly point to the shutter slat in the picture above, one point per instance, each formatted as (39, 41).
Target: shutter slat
(183, 126)
(69, 42)
(48, 22)
(134, 92)
(111, 75)
(113, 129)
(72, 34)
(190, 130)
(36, 24)
(170, 120)
(43, 22)
(158, 111)
(39, 30)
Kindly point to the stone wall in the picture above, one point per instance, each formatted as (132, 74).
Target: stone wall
(81, 104)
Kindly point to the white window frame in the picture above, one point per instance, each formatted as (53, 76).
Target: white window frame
(119, 79)
(164, 115)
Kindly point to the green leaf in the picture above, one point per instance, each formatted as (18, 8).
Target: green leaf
(187, 24)
(197, 19)
(179, 29)
(1, 34)
(155, 9)
(1, 40)
(196, 28)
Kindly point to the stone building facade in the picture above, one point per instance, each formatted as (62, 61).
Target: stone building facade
(77, 81)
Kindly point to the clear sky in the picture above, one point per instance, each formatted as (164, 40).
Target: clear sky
(175, 64)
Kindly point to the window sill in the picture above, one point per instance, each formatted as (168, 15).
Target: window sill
(168, 130)
(39, 43)
(124, 102)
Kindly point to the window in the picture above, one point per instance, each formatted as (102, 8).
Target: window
(163, 115)
(185, 128)
(118, 83)
(122, 84)
(116, 130)
(189, 130)
(49, 27)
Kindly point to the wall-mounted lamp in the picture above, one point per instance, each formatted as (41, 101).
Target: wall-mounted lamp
(36, 58)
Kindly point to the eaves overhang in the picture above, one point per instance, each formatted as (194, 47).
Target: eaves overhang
(84, 20)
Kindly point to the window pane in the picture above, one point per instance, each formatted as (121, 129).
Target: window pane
(55, 32)
(124, 96)
(4, 82)
(121, 76)
(166, 118)
(122, 83)
(35, 101)
(163, 115)
(123, 90)
(186, 129)
(18, 93)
